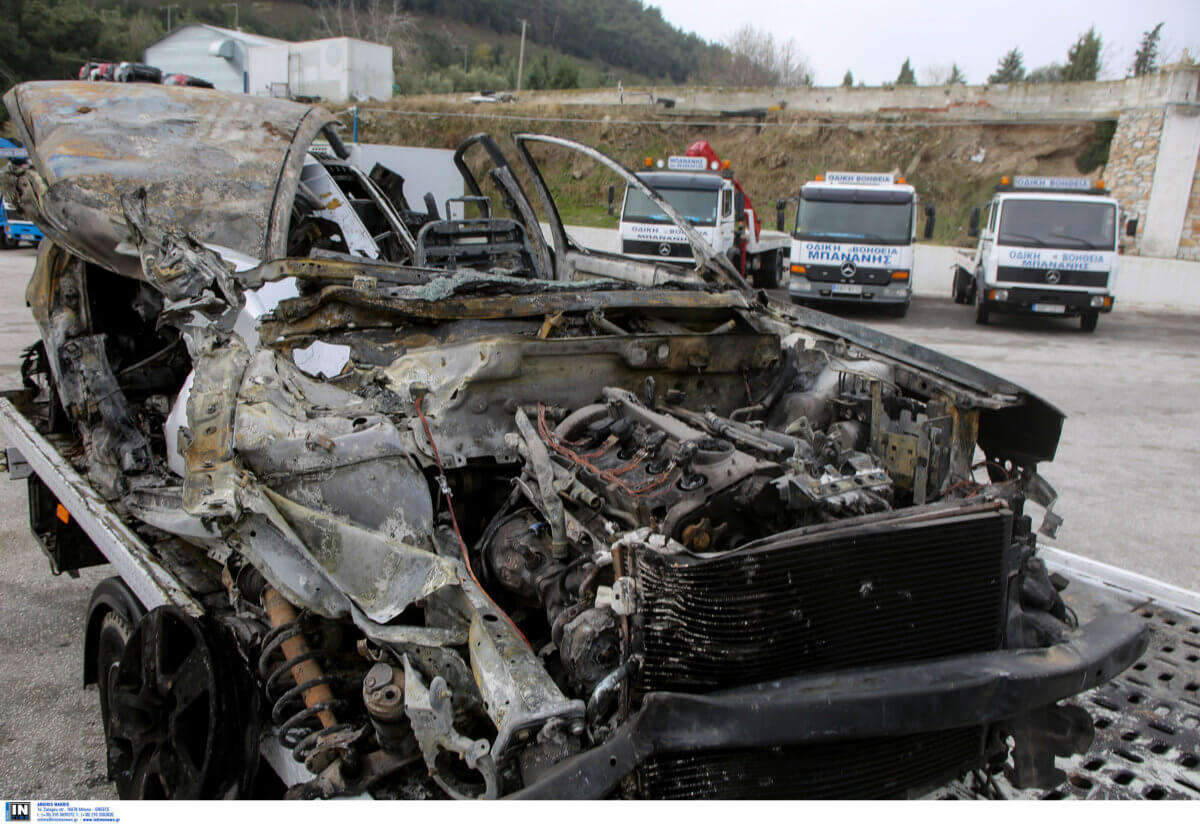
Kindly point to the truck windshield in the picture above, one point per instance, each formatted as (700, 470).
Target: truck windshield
(1059, 224)
(699, 206)
(837, 221)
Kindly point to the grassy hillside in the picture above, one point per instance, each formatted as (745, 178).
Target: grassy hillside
(770, 163)
(439, 47)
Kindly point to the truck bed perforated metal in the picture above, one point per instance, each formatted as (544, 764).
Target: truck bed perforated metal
(1147, 743)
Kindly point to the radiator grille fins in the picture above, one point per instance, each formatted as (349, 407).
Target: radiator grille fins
(863, 595)
(867, 768)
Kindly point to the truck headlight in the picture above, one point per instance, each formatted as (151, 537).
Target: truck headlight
(1101, 301)
(998, 294)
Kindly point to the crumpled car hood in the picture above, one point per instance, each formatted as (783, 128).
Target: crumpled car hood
(222, 168)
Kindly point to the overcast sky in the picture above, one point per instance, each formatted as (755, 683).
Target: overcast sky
(872, 37)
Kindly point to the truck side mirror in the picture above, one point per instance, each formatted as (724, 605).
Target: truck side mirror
(780, 206)
(973, 226)
(612, 196)
(930, 220)
(1131, 227)
(739, 206)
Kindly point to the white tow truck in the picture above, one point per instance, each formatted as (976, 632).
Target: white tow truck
(853, 240)
(1047, 245)
(702, 187)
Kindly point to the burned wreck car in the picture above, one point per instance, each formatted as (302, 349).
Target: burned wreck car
(456, 507)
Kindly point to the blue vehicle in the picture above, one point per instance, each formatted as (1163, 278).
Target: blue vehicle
(15, 230)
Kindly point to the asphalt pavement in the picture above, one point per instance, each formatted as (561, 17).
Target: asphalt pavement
(1127, 472)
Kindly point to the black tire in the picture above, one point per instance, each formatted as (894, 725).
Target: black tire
(1088, 321)
(899, 310)
(6, 242)
(767, 275)
(110, 644)
(982, 313)
(954, 291)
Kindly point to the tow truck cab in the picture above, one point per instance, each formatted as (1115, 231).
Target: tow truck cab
(853, 240)
(703, 189)
(703, 197)
(1046, 246)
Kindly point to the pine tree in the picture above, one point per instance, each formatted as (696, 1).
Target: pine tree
(1145, 61)
(1011, 69)
(1083, 59)
(848, 79)
(906, 76)
(956, 76)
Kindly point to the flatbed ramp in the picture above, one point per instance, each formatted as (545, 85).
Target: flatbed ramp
(1147, 742)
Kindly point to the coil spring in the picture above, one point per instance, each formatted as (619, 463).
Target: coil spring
(299, 730)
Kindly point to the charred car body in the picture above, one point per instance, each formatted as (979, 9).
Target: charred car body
(446, 508)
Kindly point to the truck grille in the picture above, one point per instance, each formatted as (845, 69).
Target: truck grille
(855, 595)
(1015, 274)
(867, 768)
(833, 274)
(651, 247)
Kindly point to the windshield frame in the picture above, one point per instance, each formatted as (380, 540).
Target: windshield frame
(860, 239)
(1040, 240)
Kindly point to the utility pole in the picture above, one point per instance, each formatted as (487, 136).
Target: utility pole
(521, 58)
(168, 8)
(235, 14)
(464, 51)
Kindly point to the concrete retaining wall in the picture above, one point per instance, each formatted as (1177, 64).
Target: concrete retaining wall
(1009, 101)
(1158, 283)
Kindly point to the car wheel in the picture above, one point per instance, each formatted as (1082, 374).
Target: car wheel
(1088, 321)
(110, 644)
(165, 727)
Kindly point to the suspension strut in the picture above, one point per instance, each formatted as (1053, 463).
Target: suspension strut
(315, 725)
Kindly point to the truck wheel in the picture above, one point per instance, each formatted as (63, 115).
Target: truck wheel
(1088, 321)
(6, 242)
(981, 310)
(899, 310)
(767, 275)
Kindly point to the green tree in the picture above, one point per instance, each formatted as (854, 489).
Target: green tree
(1083, 59)
(956, 76)
(45, 39)
(1145, 61)
(566, 75)
(1011, 68)
(848, 79)
(1050, 73)
(906, 76)
(539, 74)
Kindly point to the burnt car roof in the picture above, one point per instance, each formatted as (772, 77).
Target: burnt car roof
(222, 167)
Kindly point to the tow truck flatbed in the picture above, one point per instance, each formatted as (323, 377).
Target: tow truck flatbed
(1147, 737)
